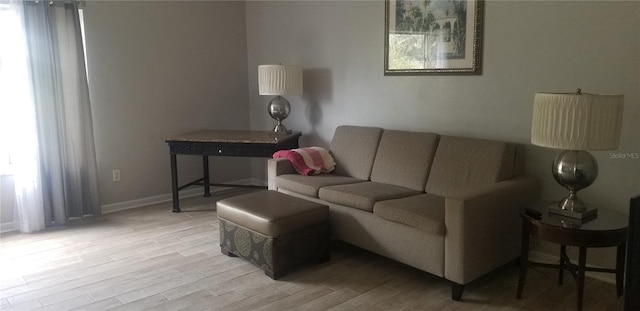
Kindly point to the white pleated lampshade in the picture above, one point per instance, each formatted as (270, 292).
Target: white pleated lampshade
(577, 121)
(279, 80)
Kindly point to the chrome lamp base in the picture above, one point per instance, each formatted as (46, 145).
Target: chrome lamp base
(281, 129)
(574, 170)
(279, 109)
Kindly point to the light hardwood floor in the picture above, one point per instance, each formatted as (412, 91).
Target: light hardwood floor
(150, 258)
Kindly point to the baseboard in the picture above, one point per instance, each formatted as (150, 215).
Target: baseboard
(538, 256)
(120, 206)
(7, 227)
(257, 182)
(114, 207)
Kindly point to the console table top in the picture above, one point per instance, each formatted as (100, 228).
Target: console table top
(233, 136)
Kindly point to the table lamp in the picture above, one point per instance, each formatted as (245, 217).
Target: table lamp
(279, 80)
(577, 123)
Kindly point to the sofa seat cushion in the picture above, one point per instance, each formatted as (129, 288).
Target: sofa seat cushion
(309, 185)
(363, 195)
(424, 212)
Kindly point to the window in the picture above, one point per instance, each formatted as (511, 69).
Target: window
(84, 41)
(15, 94)
(17, 114)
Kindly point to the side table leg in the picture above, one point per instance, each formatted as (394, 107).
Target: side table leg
(582, 261)
(563, 262)
(524, 259)
(205, 171)
(620, 259)
(174, 184)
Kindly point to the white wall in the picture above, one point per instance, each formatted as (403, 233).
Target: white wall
(158, 69)
(529, 46)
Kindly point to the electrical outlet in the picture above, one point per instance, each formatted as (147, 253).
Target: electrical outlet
(116, 175)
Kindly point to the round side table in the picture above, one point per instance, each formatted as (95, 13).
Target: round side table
(608, 229)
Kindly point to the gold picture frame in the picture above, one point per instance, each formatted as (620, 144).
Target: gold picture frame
(432, 37)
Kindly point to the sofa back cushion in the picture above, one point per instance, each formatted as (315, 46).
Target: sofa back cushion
(461, 164)
(354, 148)
(404, 159)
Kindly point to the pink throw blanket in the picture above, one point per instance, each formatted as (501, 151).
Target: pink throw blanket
(308, 161)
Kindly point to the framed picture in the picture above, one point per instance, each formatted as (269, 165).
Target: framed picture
(425, 37)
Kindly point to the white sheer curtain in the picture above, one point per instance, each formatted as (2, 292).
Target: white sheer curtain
(63, 182)
(17, 120)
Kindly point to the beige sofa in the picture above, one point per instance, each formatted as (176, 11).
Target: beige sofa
(445, 205)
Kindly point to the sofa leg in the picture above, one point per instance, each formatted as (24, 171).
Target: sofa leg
(456, 291)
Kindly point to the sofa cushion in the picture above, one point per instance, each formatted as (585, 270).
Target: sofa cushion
(354, 148)
(309, 185)
(363, 195)
(423, 211)
(404, 159)
(461, 164)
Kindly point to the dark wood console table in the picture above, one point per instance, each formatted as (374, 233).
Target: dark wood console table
(608, 229)
(223, 143)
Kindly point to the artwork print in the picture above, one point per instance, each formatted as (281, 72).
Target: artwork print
(432, 36)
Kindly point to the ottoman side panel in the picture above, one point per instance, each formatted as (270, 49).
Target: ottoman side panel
(276, 255)
(250, 245)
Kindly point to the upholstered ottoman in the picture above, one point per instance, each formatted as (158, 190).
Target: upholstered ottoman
(273, 230)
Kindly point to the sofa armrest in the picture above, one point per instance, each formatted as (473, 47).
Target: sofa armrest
(483, 227)
(276, 167)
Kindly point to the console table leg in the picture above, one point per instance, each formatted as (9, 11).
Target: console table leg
(174, 184)
(620, 259)
(582, 261)
(205, 171)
